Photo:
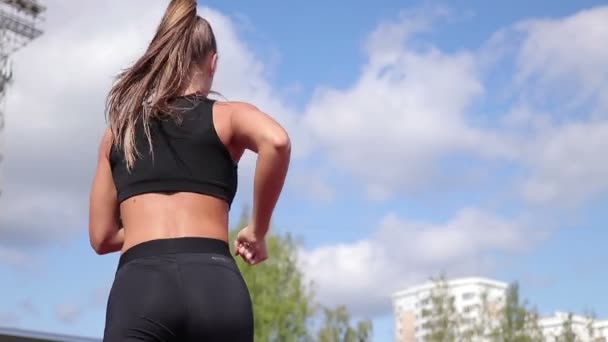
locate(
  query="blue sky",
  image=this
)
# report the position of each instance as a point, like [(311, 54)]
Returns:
[(428, 136)]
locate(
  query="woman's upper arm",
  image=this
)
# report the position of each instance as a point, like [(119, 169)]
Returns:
[(103, 206), (253, 129)]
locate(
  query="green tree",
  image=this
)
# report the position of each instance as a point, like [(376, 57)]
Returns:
[(442, 318), (591, 328), (282, 300), (336, 327), (482, 328), (517, 323), (533, 331), (591, 325), (567, 334)]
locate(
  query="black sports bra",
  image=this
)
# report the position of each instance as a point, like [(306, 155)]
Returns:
[(188, 156)]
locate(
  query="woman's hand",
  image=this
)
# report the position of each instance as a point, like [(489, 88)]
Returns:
[(250, 247)]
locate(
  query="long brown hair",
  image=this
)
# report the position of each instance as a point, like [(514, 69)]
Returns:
[(142, 92)]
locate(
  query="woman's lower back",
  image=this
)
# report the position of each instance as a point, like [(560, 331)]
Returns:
[(166, 216)]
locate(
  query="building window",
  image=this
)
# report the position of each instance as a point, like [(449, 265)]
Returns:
[(468, 295)]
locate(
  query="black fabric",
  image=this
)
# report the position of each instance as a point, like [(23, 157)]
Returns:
[(188, 156), (187, 289)]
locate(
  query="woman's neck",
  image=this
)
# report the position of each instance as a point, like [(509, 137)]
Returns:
[(198, 84)]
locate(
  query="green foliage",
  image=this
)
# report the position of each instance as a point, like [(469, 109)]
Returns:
[(283, 302), (568, 334), (513, 322), (337, 327), (509, 321), (591, 325), (482, 328), (517, 323), (443, 319), (591, 330)]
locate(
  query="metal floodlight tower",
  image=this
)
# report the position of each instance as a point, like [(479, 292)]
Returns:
[(18, 19)]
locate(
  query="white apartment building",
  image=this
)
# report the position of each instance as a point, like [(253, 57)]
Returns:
[(601, 329), (467, 292), (553, 326), (410, 324)]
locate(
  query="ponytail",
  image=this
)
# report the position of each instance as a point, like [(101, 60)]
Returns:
[(143, 91)]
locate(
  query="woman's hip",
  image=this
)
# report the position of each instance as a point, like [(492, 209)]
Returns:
[(186, 285)]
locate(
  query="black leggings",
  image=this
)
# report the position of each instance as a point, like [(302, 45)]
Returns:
[(186, 289)]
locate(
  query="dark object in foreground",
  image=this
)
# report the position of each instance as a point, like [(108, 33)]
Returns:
[(19, 335)]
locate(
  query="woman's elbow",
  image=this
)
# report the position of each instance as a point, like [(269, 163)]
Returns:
[(99, 247), (282, 142), (279, 141), (99, 243)]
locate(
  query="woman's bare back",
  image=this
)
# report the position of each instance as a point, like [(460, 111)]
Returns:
[(182, 214)]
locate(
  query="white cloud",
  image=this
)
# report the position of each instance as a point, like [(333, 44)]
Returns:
[(566, 167), (407, 110), (33, 212), (561, 69), (411, 106), (55, 108), (364, 274), (567, 54)]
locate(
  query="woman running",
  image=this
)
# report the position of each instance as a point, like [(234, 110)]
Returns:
[(165, 181)]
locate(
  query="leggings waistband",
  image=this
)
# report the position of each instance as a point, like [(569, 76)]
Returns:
[(175, 246)]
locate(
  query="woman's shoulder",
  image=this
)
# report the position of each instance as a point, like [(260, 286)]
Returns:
[(235, 109), (106, 143), (235, 106)]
